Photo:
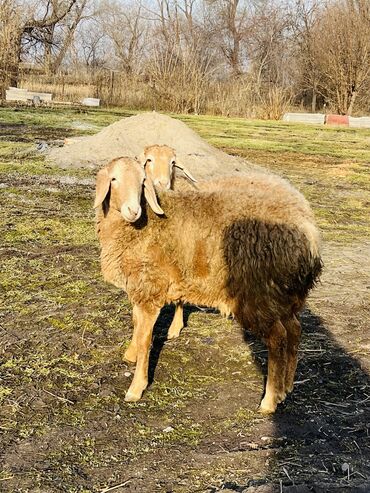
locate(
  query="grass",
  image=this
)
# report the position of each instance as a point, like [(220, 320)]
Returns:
[(64, 118), (61, 369), (330, 165), (282, 137)]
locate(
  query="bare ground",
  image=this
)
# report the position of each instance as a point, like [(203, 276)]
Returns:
[(64, 426)]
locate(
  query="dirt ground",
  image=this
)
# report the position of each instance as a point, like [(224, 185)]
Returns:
[(64, 426), (135, 133)]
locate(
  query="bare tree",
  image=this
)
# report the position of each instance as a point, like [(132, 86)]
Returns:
[(10, 23), (269, 41), (229, 20), (180, 78), (189, 24), (62, 41), (341, 48), (244, 57), (26, 21), (167, 12), (91, 47), (305, 18), (123, 24), (269, 44)]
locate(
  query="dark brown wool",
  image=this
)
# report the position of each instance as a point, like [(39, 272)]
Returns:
[(270, 270)]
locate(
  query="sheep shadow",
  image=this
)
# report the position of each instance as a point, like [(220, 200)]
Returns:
[(320, 439), (321, 432), (161, 330)]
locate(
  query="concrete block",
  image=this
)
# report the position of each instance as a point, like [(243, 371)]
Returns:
[(11, 95), (311, 118), (360, 122), (339, 120), (44, 96), (16, 94), (91, 102)]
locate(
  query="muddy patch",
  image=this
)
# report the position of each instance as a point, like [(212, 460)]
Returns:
[(18, 132)]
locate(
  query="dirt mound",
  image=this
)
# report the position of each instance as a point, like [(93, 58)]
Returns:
[(129, 136)]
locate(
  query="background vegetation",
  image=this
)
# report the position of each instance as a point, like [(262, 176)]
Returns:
[(250, 58)]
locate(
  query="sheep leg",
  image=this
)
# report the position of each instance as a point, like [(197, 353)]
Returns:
[(277, 356), (145, 320), (131, 352), (177, 322), (294, 330)]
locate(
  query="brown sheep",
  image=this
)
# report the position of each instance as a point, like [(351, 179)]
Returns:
[(254, 255), (159, 162)]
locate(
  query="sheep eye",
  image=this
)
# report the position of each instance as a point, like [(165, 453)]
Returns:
[(173, 163), (148, 160), (113, 179)]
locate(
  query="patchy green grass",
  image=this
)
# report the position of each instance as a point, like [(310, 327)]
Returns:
[(282, 137), (61, 118), (63, 423), (330, 165), (235, 133)]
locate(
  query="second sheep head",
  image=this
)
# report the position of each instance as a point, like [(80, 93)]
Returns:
[(159, 162)]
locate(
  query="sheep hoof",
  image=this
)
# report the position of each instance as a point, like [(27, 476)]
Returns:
[(132, 396), (266, 410), (267, 406), (129, 357), (131, 360)]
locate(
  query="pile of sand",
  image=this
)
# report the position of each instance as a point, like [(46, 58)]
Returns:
[(129, 136)]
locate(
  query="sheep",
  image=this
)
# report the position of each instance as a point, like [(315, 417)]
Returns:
[(253, 255), (159, 162)]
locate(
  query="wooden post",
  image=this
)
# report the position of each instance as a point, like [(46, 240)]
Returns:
[(111, 86)]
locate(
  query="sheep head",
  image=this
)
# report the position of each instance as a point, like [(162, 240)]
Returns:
[(119, 185), (159, 161)]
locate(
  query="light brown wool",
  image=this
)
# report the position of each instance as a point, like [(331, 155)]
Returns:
[(160, 161), (246, 246), (161, 165)]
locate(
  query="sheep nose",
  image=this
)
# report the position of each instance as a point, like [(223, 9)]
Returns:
[(131, 213), (164, 184)]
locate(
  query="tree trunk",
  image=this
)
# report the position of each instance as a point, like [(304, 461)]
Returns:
[(352, 102), (314, 97), (58, 60), (48, 44), (14, 65)]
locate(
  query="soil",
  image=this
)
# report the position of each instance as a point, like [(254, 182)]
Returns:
[(129, 136), (64, 426), (18, 132)]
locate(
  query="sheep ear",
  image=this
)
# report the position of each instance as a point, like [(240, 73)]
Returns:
[(102, 186), (142, 159), (186, 172), (151, 196)]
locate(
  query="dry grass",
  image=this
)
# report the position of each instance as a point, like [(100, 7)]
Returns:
[(169, 86), (61, 90)]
